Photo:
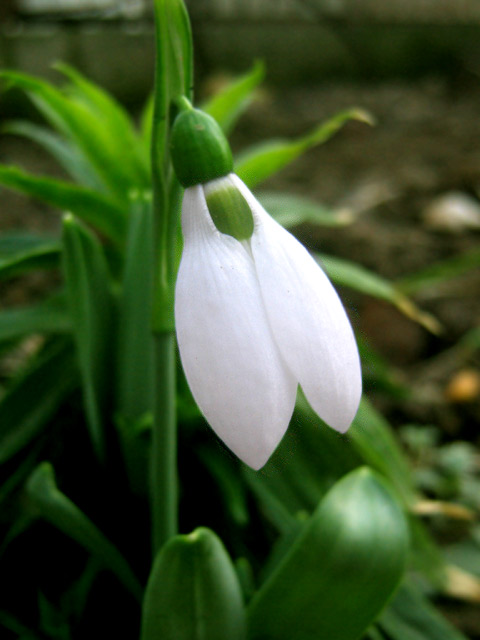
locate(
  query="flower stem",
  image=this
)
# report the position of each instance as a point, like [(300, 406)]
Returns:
[(164, 442), (173, 78)]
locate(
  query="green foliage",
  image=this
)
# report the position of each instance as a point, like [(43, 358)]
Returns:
[(193, 592), (45, 500), (227, 105), (342, 568), (91, 310), (265, 159), (335, 535), (411, 617), (34, 397), (290, 211), (42, 255), (49, 316), (92, 207)]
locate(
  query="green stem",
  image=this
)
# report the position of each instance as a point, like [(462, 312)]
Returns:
[(164, 442), (173, 78)]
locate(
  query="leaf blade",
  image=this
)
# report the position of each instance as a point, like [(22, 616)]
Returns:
[(227, 105), (49, 316), (78, 124), (347, 273), (90, 305), (265, 159), (90, 206), (361, 535), (54, 506), (193, 592), (45, 383)]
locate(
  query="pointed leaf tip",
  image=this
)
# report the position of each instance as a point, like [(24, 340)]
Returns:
[(193, 592)]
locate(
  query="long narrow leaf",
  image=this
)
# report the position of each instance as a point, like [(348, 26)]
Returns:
[(373, 438), (78, 124), (173, 78), (90, 305), (48, 317), (135, 344), (45, 256), (121, 133), (50, 503), (290, 211), (19, 241), (228, 105), (264, 160), (350, 274), (135, 341), (146, 123), (91, 207), (411, 617), (45, 384), (436, 274), (64, 152), (341, 570)]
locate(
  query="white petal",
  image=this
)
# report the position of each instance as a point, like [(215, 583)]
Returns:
[(231, 362), (308, 320)]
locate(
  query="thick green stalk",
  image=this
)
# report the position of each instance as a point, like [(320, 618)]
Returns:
[(173, 78)]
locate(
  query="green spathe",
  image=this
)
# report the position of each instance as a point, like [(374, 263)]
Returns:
[(228, 209), (193, 592), (200, 152)]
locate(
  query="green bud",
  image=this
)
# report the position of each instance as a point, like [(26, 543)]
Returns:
[(228, 209), (200, 152)]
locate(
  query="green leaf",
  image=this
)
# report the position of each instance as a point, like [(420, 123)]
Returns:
[(89, 133), (125, 143), (229, 484), (350, 274), (34, 397), (13, 242), (341, 570), (411, 617), (135, 340), (290, 211), (193, 592), (49, 316), (146, 123), (11, 485), (436, 274), (135, 345), (90, 304), (374, 634), (173, 79), (173, 74), (44, 256), (289, 484), (265, 159), (48, 502), (64, 152), (7, 621), (379, 374), (228, 105), (90, 206), (374, 440)]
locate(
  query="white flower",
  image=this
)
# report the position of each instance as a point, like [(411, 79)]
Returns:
[(254, 319)]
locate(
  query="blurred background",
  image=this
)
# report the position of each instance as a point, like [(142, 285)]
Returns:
[(409, 186)]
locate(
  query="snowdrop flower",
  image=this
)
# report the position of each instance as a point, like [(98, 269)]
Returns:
[(255, 314)]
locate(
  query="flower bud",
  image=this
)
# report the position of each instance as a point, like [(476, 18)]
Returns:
[(200, 152)]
